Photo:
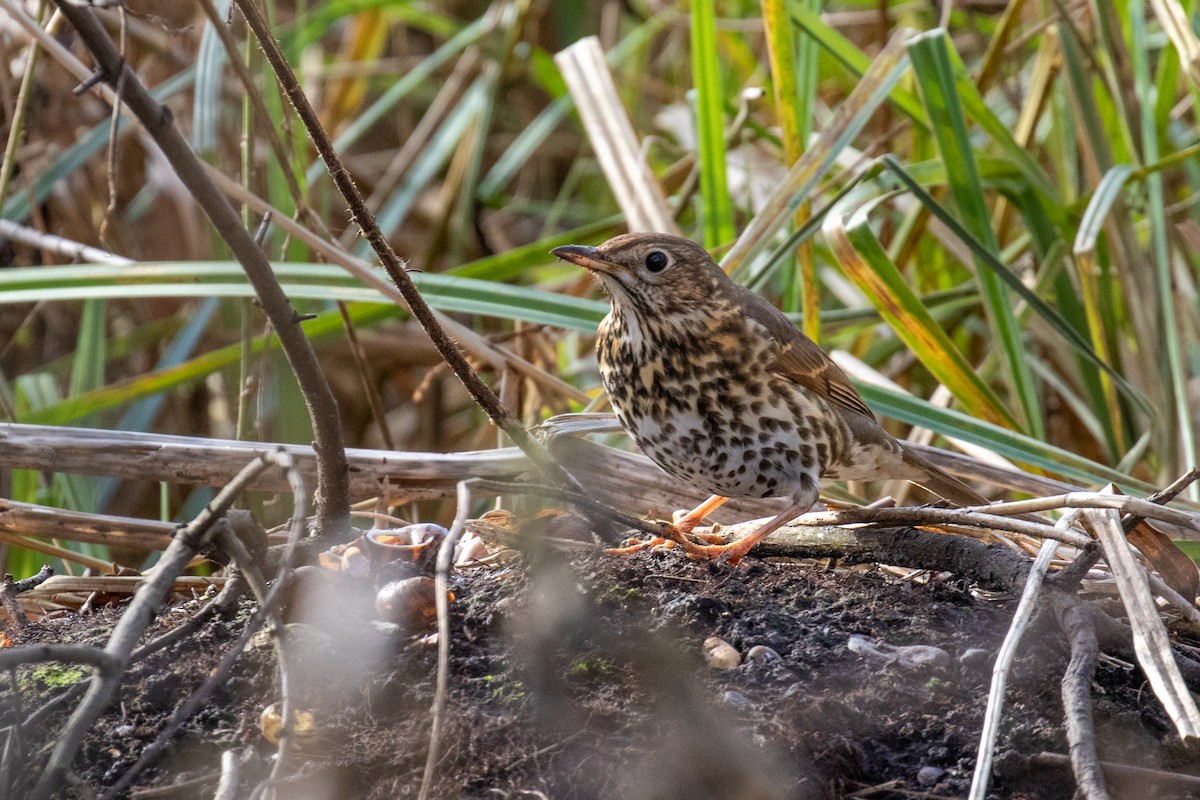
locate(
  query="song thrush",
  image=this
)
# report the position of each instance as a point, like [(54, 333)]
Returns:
[(722, 391)]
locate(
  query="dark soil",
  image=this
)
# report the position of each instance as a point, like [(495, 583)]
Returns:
[(587, 679)]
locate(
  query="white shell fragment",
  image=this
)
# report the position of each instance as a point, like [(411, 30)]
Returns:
[(913, 656), (720, 654)]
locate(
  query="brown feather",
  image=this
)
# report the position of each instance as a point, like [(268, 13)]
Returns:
[(942, 483), (800, 359)]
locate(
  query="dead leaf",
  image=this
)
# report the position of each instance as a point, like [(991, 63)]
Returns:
[(1174, 565)]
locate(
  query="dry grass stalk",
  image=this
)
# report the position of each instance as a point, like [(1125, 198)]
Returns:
[(1150, 640), (611, 133)]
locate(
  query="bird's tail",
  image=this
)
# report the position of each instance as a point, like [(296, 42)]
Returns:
[(941, 483)]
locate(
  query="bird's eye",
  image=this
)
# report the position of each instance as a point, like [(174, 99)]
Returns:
[(656, 261)]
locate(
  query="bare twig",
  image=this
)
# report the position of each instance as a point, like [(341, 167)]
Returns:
[(266, 612), (214, 462), (441, 591), (361, 214), (1008, 650), (1146, 509), (10, 589), (332, 485), (942, 516), (78, 526), (228, 784), (133, 623), (265, 126), (1074, 572), (106, 664), (1150, 638), (68, 249), (1076, 622)]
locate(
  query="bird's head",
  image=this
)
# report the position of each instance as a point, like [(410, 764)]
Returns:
[(650, 273)]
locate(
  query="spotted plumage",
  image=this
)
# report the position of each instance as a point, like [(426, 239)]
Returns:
[(722, 391)]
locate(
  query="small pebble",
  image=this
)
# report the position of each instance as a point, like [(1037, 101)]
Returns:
[(760, 652), (720, 654), (736, 699), (975, 658), (928, 776)]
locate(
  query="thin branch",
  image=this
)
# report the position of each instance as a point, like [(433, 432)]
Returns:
[(267, 612), (1146, 509), (441, 596), (332, 483), (1008, 650), (230, 773), (361, 214), (1076, 622), (1150, 638), (67, 248), (1076, 571), (10, 589), (132, 625), (262, 117), (107, 666), (943, 516)]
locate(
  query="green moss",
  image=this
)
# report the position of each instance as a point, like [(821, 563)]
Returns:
[(623, 592), (589, 667), (53, 676), (505, 692)]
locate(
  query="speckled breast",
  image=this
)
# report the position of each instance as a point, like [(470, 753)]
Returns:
[(707, 408)]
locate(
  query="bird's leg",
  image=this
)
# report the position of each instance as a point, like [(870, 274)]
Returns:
[(802, 501), (690, 520), (681, 528)]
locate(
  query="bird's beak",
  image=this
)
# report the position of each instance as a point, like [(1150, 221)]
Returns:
[(582, 256)]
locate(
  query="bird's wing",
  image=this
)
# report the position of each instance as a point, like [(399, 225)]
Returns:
[(802, 361)]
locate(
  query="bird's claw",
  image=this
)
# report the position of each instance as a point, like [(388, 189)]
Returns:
[(631, 546)]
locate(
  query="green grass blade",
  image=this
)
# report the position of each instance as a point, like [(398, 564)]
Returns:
[(876, 84), (519, 260), (864, 260), (141, 414), (1008, 443), (412, 79), (1106, 195), (716, 209), (533, 136), (206, 104), (1175, 371), (853, 59), (935, 75), (996, 267), (445, 292), (73, 409), (977, 110), (430, 162)]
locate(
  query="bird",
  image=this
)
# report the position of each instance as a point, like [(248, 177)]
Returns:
[(721, 390)]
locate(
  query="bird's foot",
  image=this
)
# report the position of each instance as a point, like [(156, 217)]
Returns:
[(631, 546), (710, 547), (676, 537)]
